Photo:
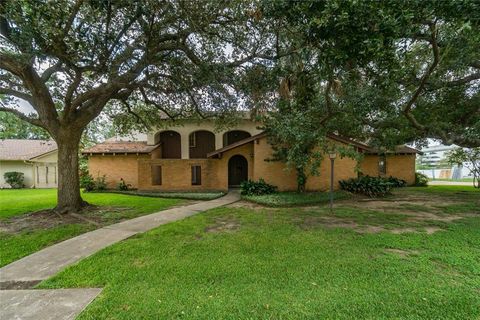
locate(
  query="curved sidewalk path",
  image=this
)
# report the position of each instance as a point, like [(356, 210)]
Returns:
[(19, 304)]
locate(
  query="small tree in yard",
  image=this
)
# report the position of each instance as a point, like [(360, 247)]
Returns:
[(71, 59), (469, 158)]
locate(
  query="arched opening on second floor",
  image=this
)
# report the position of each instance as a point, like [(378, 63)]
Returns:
[(200, 143), (234, 136), (170, 144)]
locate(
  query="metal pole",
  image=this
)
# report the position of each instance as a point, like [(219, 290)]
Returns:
[(331, 184)]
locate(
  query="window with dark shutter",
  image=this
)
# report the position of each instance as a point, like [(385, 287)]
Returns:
[(196, 175), (156, 175)]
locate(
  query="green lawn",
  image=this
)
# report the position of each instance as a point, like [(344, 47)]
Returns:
[(297, 263), (16, 203)]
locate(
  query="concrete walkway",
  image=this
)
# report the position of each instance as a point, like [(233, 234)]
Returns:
[(45, 304), (449, 183), (49, 261)]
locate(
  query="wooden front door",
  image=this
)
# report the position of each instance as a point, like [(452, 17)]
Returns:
[(237, 170)]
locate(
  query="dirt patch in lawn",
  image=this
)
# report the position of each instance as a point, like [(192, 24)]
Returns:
[(47, 219), (331, 222), (310, 222), (224, 224), (247, 205), (402, 253)]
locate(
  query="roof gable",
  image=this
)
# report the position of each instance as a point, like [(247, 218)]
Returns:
[(111, 147), (22, 149), (364, 147)]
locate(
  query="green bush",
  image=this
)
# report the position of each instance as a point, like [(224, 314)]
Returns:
[(87, 182), (14, 179), (257, 188), (100, 183), (123, 186), (421, 180), (369, 186), (396, 183)]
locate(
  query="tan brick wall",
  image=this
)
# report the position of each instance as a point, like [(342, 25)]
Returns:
[(402, 167), (176, 173), (344, 168), (276, 172), (399, 166), (116, 167), (273, 172), (369, 165)]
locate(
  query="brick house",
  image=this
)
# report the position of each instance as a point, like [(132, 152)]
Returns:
[(191, 156)]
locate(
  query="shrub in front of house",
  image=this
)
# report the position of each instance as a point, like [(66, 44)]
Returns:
[(369, 186), (87, 182), (421, 180), (396, 183), (123, 186), (257, 188), (101, 183), (14, 179)]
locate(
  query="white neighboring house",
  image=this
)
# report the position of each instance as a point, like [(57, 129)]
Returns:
[(37, 159)]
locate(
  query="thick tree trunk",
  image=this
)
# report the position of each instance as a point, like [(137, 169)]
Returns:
[(68, 196), (301, 180)]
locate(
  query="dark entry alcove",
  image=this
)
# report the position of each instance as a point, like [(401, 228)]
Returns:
[(237, 170)]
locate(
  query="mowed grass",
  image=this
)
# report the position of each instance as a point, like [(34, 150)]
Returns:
[(15, 203), (241, 263)]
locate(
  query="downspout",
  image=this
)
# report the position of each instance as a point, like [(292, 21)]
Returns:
[(33, 171)]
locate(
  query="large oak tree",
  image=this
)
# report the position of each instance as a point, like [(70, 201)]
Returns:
[(386, 72), (70, 59)]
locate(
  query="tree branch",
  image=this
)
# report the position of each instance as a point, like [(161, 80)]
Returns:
[(156, 105), (50, 71), (130, 111), (17, 94), (436, 60), (18, 114), (458, 82)]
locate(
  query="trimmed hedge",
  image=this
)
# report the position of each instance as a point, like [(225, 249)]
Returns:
[(257, 188), (369, 186), (396, 183), (421, 180), (14, 179)]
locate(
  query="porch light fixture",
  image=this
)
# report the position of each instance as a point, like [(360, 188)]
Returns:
[(332, 155)]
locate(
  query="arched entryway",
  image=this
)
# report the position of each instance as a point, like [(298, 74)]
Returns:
[(171, 144), (237, 170)]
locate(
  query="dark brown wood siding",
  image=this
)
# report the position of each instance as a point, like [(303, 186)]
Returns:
[(171, 145), (201, 143)]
